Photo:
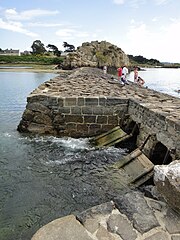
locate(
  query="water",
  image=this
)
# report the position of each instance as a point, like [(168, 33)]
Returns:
[(43, 178), (165, 80)]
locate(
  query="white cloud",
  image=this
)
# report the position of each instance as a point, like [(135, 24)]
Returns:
[(118, 1), (16, 27), (160, 43), (71, 33), (161, 2), (39, 24), (12, 14)]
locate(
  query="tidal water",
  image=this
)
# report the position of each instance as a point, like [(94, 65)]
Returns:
[(165, 80), (43, 178)]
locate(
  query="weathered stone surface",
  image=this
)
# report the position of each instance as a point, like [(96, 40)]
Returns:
[(103, 234), (66, 228), (158, 236), (117, 223), (134, 205), (167, 181), (172, 222), (175, 237), (103, 209), (96, 54)]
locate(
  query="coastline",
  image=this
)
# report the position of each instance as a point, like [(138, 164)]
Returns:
[(28, 68)]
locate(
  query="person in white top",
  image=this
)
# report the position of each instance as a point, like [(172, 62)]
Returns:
[(124, 73)]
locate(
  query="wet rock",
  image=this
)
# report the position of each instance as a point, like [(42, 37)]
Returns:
[(167, 181)]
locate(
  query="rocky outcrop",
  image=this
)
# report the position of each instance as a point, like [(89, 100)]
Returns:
[(96, 54), (167, 180)]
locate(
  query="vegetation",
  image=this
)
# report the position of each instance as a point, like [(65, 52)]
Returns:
[(31, 59), (142, 60)]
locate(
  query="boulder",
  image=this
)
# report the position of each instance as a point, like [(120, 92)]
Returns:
[(96, 54), (167, 181)]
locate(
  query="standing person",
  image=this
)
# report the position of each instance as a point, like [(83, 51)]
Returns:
[(119, 70), (124, 74), (135, 74), (105, 69)]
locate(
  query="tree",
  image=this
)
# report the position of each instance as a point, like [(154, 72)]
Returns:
[(38, 47), (69, 47), (54, 49)]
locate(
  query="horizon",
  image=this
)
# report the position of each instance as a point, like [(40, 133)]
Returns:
[(139, 27)]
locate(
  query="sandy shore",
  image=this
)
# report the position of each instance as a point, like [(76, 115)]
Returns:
[(29, 68)]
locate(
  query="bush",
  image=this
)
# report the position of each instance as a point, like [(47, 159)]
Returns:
[(31, 59)]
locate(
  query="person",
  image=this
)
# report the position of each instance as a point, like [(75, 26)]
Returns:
[(135, 74), (105, 69), (119, 72), (140, 81), (124, 75)]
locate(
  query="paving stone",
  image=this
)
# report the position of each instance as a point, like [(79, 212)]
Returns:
[(172, 221), (117, 223), (134, 205), (65, 228), (175, 237), (158, 236), (103, 234)]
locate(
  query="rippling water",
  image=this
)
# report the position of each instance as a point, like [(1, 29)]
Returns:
[(43, 178)]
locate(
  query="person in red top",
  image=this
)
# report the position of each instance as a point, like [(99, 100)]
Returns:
[(119, 72)]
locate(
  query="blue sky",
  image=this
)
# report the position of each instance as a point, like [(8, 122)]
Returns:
[(150, 28)]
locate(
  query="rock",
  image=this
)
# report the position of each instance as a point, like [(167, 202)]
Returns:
[(135, 207), (96, 54), (64, 228), (167, 181)]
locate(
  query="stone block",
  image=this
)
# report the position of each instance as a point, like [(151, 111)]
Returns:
[(70, 102), (135, 207), (91, 101), (102, 119), (167, 181), (82, 128), (158, 236), (108, 111), (119, 224), (99, 110), (87, 110), (76, 110), (64, 110), (175, 237), (60, 102), (65, 228), (103, 234), (113, 120), (111, 101), (102, 101), (89, 119), (172, 221), (73, 119), (80, 101)]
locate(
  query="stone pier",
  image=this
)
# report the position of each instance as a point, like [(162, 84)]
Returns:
[(85, 102)]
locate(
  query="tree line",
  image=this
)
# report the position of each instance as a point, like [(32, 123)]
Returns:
[(38, 48), (142, 60)]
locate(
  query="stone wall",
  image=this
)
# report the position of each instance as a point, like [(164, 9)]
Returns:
[(72, 116), (162, 128)]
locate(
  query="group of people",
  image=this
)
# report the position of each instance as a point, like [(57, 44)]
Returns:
[(122, 74)]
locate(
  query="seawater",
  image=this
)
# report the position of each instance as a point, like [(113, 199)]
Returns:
[(44, 178)]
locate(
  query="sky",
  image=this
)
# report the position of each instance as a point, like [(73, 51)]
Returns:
[(150, 28)]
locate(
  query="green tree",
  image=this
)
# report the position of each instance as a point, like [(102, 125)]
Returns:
[(38, 48), (54, 49), (68, 47)]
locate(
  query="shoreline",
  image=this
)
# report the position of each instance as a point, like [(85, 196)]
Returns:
[(28, 68)]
